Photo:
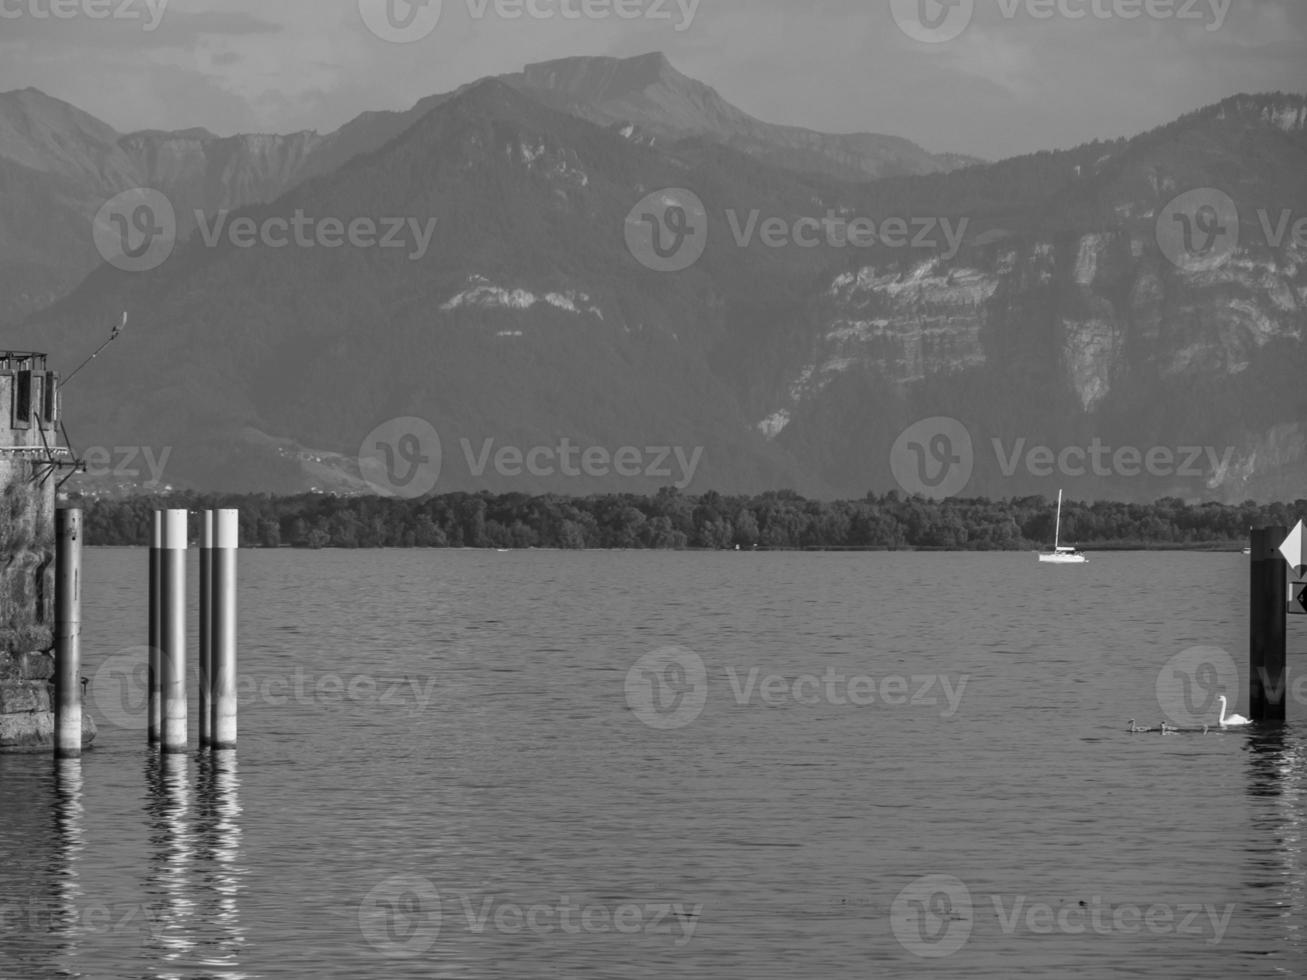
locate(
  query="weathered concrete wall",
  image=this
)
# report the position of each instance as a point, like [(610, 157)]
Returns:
[(28, 414)]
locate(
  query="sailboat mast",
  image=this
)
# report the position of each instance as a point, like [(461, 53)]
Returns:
[(1057, 532)]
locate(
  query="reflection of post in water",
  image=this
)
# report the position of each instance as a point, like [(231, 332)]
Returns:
[(217, 860), (1277, 761), (70, 841), (171, 854)]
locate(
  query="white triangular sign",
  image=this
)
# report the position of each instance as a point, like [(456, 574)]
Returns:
[(1292, 549)]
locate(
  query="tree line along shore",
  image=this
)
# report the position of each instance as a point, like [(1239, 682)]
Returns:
[(671, 520)]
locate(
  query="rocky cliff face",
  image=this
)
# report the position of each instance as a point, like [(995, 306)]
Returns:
[(200, 170), (1106, 318), (931, 319)]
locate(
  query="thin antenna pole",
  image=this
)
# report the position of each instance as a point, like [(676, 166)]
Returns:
[(118, 329)]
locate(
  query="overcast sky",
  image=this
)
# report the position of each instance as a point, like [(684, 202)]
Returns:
[(1010, 82)]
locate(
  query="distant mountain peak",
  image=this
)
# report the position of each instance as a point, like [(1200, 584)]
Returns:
[(35, 102), (491, 97), (596, 79), (30, 92), (648, 92), (51, 136)]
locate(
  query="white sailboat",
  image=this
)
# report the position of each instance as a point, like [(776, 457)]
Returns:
[(1061, 555)]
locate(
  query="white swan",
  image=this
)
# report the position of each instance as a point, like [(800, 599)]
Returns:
[(1168, 729), (1226, 722), (1135, 728)]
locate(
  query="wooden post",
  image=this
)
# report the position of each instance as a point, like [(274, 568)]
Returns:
[(68, 648), (1267, 626), (206, 628), (172, 574), (154, 694), (226, 539)]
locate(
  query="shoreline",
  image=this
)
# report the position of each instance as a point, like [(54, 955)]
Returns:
[(1224, 548)]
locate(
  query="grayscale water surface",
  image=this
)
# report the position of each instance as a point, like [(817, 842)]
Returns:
[(440, 774)]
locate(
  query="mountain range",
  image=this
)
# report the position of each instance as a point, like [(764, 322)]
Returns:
[(1037, 301), (58, 164)]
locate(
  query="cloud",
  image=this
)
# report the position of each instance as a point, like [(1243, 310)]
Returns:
[(137, 26), (998, 57)]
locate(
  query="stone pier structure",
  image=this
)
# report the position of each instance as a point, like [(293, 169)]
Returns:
[(33, 459)]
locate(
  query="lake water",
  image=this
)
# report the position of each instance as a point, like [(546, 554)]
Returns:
[(448, 767)]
